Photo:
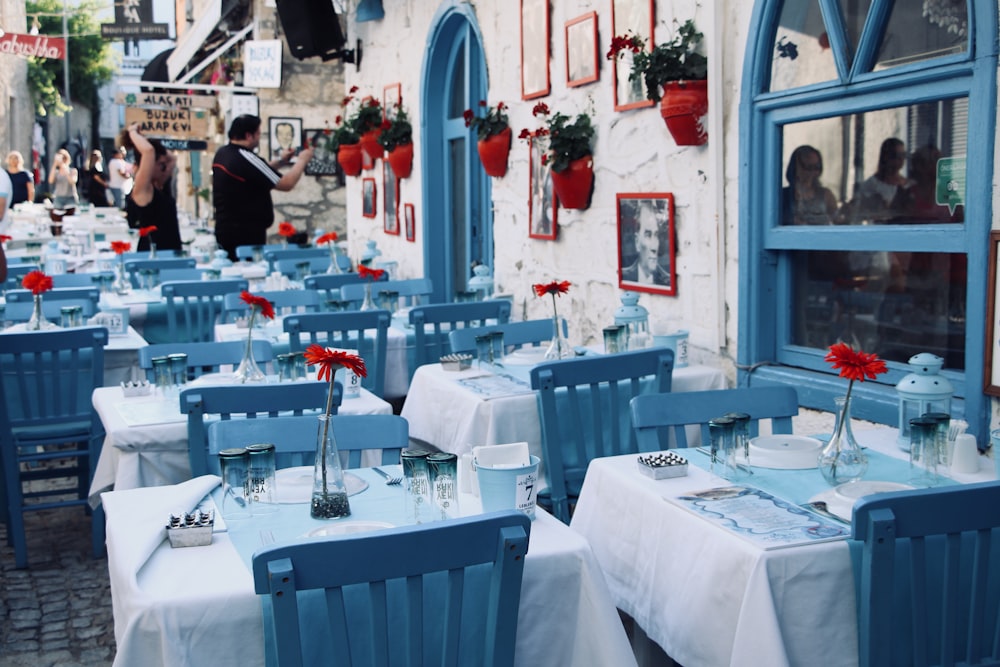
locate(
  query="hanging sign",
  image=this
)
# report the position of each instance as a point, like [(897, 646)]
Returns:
[(170, 123), (134, 20), (37, 46), (164, 101), (262, 63)]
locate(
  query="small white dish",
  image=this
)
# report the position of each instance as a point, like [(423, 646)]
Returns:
[(526, 356), (348, 528), (294, 485), (784, 451), (851, 491)]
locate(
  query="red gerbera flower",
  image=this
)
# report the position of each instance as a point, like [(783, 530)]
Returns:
[(329, 237), (265, 307), (555, 287), (286, 228), (855, 365), (327, 358), (4, 238), (37, 282), (146, 231), (120, 246), (374, 274)]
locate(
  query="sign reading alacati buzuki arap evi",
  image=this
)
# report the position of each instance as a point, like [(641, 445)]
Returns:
[(38, 46)]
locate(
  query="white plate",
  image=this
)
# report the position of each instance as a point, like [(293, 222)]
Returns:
[(294, 485), (332, 529), (784, 451), (526, 356), (851, 491)]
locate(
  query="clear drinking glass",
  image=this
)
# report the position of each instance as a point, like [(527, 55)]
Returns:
[(722, 431), (261, 479), (498, 351), (66, 317), (161, 376), (943, 421), (235, 497), (484, 350), (286, 370), (416, 478), (741, 434), (443, 468), (923, 451), (178, 369), (611, 340)]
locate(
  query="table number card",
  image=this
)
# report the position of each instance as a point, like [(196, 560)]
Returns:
[(115, 319)]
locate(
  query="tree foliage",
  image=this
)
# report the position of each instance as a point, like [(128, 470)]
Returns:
[(91, 63)]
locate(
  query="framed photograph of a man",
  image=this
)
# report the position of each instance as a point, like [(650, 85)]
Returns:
[(636, 17), (368, 197), (283, 134), (534, 49), (543, 205), (581, 50), (390, 205), (410, 222), (646, 250), (324, 160)]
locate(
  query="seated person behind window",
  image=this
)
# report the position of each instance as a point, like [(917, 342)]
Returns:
[(805, 201), (875, 195), (646, 268), (918, 201)]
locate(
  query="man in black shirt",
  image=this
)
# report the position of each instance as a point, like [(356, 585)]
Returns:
[(241, 186)]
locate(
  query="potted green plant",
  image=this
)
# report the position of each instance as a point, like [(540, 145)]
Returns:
[(367, 122), (397, 140), (345, 140), (569, 153), (493, 131), (681, 73)]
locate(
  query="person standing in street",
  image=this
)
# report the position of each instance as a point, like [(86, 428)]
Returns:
[(242, 182), (21, 180), (119, 171), (150, 203)]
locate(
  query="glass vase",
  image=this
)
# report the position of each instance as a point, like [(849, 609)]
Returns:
[(368, 303), (334, 264), (842, 459), (122, 285), (38, 321), (248, 370), (152, 250), (559, 347), (329, 496)]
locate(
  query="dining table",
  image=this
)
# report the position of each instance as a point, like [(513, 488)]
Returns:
[(708, 595), (196, 605), (146, 440)]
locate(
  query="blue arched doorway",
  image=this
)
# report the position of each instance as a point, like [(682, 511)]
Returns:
[(458, 218)]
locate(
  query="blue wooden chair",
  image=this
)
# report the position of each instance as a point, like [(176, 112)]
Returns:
[(583, 408), (300, 267), (433, 322), (204, 357), (15, 272), (255, 401), (175, 275), (515, 335), (284, 301), (273, 255), (330, 284), (20, 302), (246, 253), (294, 438), (80, 279), (46, 382), (656, 416), (445, 593), (345, 330), (411, 291), (928, 587), (194, 307)]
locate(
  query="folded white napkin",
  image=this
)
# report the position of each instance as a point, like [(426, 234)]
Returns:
[(513, 455)]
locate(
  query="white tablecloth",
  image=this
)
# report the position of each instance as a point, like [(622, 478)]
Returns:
[(448, 416), (707, 596), (196, 606), (156, 454)]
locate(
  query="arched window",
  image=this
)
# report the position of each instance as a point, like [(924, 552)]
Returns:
[(865, 196)]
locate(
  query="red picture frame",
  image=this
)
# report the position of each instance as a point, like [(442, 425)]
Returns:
[(647, 251), (390, 200), (535, 32), (392, 95), (635, 16), (410, 222), (543, 204), (368, 194), (582, 64)]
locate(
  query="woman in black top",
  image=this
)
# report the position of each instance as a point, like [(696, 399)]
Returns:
[(98, 193), (150, 203), (21, 180)]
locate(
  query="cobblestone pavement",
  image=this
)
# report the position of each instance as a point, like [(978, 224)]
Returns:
[(58, 611)]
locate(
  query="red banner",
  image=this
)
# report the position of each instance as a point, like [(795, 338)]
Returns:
[(39, 46)]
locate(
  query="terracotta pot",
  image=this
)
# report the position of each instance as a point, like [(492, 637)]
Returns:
[(573, 184), (493, 151), (349, 157), (370, 144), (684, 107), (401, 160)]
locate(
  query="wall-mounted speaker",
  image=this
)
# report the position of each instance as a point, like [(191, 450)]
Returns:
[(311, 28)]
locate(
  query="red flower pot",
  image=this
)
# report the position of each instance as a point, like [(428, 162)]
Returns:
[(349, 157), (573, 184), (370, 144), (401, 160), (684, 107), (493, 151)]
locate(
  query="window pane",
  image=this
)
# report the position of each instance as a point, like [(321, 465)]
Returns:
[(903, 165), (458, 207), (922, 29), (894, 304), (456, 105), (801, 54)]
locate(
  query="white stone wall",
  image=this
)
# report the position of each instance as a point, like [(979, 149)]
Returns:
[(16, 111)]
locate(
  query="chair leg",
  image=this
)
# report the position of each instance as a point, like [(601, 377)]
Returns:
[(97, 531)]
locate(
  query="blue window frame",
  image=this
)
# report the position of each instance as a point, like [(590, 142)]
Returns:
[(855, 85)]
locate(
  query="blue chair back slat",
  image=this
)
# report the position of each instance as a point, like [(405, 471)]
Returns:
[(284, 302), (583, 405), (410, 290), (330, 284), (134, 265), (483, 553), (655, 417), (515, 335), (204, 357), (351, 330), (20, 302), (194, 307), (927, 585), (441, 318), (246, 252), (254, 401), (273, 255), (291, 267), (294, 438), (80, 279), (46, 382)]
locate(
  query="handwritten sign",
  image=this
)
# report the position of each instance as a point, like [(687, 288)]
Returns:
[(38, 46), (262, 63), (162, 101), (170, 123)]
